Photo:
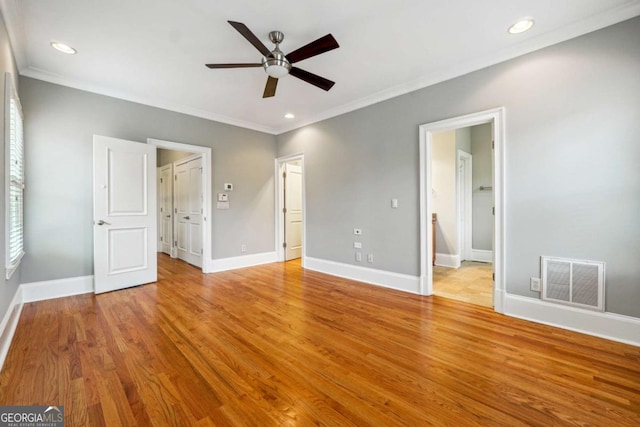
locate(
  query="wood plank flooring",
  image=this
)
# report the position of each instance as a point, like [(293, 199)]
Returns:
[(276, 345)]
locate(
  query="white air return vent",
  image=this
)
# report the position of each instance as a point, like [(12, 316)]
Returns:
[(573, 282)]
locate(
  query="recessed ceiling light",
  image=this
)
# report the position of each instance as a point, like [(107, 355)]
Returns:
[(289, 116), (63, 48), (521, 26)]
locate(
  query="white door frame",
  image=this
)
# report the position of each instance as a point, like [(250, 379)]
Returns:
[(279, 216), (206, 192), (496, 117), (464, 204)]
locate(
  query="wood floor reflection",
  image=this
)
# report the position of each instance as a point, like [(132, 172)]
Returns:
[(277, 345)]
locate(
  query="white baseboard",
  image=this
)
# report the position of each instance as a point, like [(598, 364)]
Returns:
[(481, 255), (447, 260), (49, 289), (387, 279), (223, 264), (9, 325), (611, 326)]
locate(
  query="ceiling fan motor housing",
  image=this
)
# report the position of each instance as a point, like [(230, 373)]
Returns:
[(276, 65)]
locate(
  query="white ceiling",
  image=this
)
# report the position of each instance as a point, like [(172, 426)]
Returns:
[(154, 51)]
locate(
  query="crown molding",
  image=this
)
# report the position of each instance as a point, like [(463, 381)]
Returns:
[(15, 27), (577, 29)]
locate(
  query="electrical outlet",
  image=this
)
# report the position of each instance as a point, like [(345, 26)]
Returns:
[(243, 248), (534, 284), (370, 258), (358, 257), (357, 245)]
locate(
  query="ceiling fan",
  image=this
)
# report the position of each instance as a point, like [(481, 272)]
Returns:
[(277, 64)]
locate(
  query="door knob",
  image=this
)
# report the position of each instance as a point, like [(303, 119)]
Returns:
[(101, 222), (186, 217), (168, 216)]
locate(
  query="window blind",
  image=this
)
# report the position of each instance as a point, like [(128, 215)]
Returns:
[(15, 181)]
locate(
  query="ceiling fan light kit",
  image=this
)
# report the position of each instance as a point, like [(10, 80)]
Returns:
[(276, 64)]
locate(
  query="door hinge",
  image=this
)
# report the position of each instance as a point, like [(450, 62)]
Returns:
[(161, 238), (284, 210), (175, 244), (493, 210), (284, 174), (160, 180), (175, 177), (175, 210), (284, 245), (493, 144), (493, 276), (160, 209)]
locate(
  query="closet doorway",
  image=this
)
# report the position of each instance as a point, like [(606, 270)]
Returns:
[(184, 190)]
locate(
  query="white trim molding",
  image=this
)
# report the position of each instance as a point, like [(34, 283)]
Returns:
[(207, 166), (496, 117), (280, 162), (481, 255), (387, 279), (231, 263), (50, 289), (611, 326), (9, 325), (448, 260)]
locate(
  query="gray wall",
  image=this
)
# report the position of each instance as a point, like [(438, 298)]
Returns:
[(60, 123), (482, 175), (572, 175), (7, 65)]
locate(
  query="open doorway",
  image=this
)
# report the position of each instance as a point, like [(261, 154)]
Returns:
[(453, 249), (184, 202), (462, 173), (290, 208)]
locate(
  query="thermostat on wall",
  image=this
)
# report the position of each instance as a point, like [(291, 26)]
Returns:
[(228, 186)]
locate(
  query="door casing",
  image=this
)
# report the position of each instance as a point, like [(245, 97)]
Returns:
[(279, 217), (496, 117), (207, 218)]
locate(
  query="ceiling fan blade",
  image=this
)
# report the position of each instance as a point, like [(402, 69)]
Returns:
[(233, 65), (270, 88), (322, 45), (314, 79), (247, 34)]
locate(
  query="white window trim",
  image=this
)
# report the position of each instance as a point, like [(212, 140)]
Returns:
[(11, 265)]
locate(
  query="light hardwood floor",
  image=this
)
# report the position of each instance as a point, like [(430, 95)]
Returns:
[(276, 345), (471, 283)]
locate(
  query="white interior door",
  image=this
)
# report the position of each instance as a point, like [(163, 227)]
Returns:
[(125, 221), (165, 205), (293, 211), (188, 210)]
